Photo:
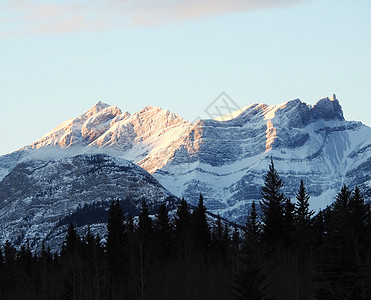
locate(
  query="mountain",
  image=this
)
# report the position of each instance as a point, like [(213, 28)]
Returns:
[(313, 143), (225, 159), (39, 197)]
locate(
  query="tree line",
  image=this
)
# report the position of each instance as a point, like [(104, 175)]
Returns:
[(283, 251)]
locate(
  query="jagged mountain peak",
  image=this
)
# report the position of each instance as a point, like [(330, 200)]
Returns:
[(96, 108), (328, 108), (296, 112), (220, 157), (82, 130)]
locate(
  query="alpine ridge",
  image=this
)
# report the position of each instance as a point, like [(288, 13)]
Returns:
[(224, 158)]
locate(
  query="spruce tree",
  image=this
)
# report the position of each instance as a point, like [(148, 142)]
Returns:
[(226, 237), (359, 214), (338, 271), (201, 230), (236, 239), (217, 233), (289, 220), (302, 211), (249, 282), (24, 258), (183, 220), (163, 233), (9, 269), (272, 207), (220, 238), (116, 240), (145, 242), (249, 279), (9, 254), (72, 242), (302, 248), (252, 231), (360, 234), (1, 258), (145, 228)]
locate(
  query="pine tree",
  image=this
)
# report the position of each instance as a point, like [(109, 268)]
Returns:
[(220, 238), (24, 258), (359, 214), (360, 221), (116, 240), (236, 239), (201, 230), (183, 220), (163, 233), (9, 253), (302, 235), (302, 211), (9, 266), (302, 248), (289, 217), (252, 231), (249, 280), (217, 233), (145, 222), (145, 242), (272, 207), (226, 237), (72, 241), (1, 258), (338, 271)]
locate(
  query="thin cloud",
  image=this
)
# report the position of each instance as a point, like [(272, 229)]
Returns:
[(50, 17)]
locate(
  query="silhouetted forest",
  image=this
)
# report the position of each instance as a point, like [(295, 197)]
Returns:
[(283, 251)]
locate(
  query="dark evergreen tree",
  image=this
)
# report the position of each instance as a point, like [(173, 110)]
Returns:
[(72, 241), (201, 229), (272, 207), (236, 239), (339, 272), (289, 217), (116, 240), (226, 237), (252, 230), (183, 220), (249, 280), (302, 246), (163, 233), (9, 269), (359, 217), (145, 244), (360, 235), (145, 227), (302, 211), (217, 231), (1, 258), (220, 238), (24, 258)]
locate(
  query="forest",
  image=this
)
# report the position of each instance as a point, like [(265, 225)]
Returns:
[(282, 251)]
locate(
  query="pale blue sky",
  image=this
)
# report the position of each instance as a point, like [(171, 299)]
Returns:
[(57, 59)]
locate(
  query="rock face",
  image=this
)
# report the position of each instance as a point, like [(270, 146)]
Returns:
[(224, 159), (314, 143), (37, 196)]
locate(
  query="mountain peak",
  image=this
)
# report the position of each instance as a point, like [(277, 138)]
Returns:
[(96, 108), (328, 108)]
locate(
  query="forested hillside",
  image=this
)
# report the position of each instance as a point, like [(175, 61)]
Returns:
[(283, 251)]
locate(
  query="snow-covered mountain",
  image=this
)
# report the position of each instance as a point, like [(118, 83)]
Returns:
[(313, 143), (224, 159), (39, 196)]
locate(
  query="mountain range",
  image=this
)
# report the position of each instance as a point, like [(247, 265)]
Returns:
[(154, 154)]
